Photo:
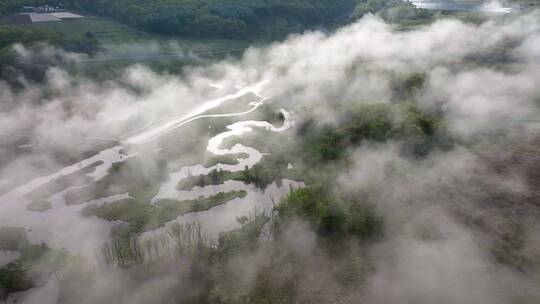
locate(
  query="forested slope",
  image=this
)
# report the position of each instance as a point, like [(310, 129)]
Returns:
[(221, 18), (239, 19)]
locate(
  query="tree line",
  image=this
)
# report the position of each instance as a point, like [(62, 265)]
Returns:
[(239, 19), (220, 18)]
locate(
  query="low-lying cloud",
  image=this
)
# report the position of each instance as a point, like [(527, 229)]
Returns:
[(432, 252)]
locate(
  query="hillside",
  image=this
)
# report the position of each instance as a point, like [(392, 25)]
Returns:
[(229, 18)]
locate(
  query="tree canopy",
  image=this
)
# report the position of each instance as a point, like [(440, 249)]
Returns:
[(220, 18)]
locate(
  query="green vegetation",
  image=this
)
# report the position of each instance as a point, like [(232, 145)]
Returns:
[(93, 34), (108, 31), (11, 67), (318, 151), (215, 177), (213, 18), (125, 250), (35, 262), (314, 246), (270, 169), (171, 209), (238, 19), (187, 240), (13, 278), (215, 271), (207, 160), (122, 177), (331, 215), (31, 35), (289, 273), (420, 132), (140, 215), (211, 28)]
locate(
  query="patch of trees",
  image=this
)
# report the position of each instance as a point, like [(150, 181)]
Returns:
[(220, 18), (417, 131), (241, 19), (271, 169), (330, 214), (12, 67)]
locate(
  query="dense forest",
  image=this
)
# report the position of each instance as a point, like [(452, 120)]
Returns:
[(210, 18), (231, 18)]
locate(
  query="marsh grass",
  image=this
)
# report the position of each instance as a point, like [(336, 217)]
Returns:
[(141, 215), (182, 240)]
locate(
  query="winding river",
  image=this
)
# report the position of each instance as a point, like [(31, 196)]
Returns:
[(62, 226)]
